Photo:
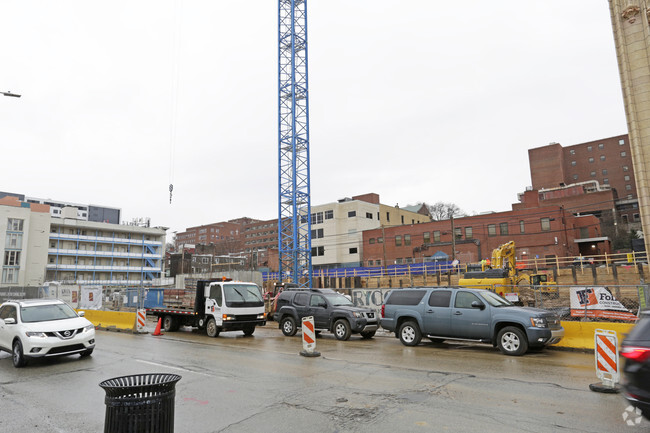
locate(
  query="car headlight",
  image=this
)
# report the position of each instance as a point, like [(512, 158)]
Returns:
[(36, 334), (88, 328), (538, 322), (356, 314)]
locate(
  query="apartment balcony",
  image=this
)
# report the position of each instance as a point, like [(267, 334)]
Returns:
[(91, 268), (107, 254), (102, 239)]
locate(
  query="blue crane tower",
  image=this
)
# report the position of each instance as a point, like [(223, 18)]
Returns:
[(294, 219)]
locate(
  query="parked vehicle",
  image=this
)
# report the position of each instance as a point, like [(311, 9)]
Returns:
[(43, 328), (457, 313), (635, 348), (217, 305), (332, 311)]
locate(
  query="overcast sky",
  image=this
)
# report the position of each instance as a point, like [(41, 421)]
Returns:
[(417, 101)]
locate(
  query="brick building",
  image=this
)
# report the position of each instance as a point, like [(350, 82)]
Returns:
[(547, 232)]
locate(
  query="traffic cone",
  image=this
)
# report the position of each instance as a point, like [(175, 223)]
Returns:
[(157, 331)]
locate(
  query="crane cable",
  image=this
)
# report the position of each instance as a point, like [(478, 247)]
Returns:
[(174, 97)]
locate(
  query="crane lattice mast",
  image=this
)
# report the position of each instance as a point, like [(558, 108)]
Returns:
[(294, 221)]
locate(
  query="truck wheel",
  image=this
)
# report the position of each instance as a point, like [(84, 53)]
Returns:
[(409, 334), (169, 323), (368, 334), (248, 330), (212, 329), (512, 341), (288, 326), (342, 330)]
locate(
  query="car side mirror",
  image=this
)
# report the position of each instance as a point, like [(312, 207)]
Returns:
[(10, 321), (479, 305)]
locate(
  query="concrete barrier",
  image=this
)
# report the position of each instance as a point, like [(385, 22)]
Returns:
[(580, 335), (114, 320)]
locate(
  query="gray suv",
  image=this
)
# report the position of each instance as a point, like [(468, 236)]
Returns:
[(331, 311), (456, 313)]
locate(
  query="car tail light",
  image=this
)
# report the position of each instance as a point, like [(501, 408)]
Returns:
[(383, 309), (638, 354)]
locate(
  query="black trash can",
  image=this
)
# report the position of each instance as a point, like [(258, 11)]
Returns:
[(140, 403)]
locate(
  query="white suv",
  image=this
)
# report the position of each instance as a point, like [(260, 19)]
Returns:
[(43, 328)]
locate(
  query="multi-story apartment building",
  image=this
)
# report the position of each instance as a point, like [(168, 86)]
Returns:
[(226, 235), (86, 212), (37, 247), (337, 228), (24, 229), (90, 252)]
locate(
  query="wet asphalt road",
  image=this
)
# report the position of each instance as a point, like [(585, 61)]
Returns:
[(251, 384)]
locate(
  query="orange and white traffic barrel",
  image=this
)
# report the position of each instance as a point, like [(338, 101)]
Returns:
[(308, 337)]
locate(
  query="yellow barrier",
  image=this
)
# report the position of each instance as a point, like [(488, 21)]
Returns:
[(117, 320), (580, 335)]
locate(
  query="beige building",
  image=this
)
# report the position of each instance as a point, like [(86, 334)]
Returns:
[(631, 26), (24, 231), (337, 228)]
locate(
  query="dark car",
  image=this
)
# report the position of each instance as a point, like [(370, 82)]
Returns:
[(635, 348), (332, 311)]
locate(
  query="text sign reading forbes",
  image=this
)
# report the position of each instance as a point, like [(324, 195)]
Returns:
[(597, 302)]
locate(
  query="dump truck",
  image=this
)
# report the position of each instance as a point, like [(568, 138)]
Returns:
[(213, 306)]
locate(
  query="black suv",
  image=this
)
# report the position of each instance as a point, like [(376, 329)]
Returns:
[(331, 311)]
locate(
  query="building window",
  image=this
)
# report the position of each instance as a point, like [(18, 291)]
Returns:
[(353, 250), (317, 251), (12, 258), (398, 240), (624, 219), (329, 214), (628, 187), (593, 174), (378, 262), (629, 196), (522, 227), (575, 177), (602, 157), (626, 168), (398, 261), (573, 163), (572, 152), (601, 146), (426, 237), (621, 142), (458, 232), (10, 275), (317, 234), (14, 241), (492, 229), (369, 215), (316, 218), (388, 216), (604, 172), (503, 229), (469, 234), (546, 224), (402, 219), (436, 236), (590, 148), (380, 240), (636, 217), (623, 154), (626, 177), (591, 159), (371, 241), (407, 239), (14, 225), (409, 260), (352, 214), (606, 181)]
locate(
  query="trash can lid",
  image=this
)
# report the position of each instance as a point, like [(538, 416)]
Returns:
[(137, 384)]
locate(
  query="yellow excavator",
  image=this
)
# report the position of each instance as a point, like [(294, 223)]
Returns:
[(503, 277)]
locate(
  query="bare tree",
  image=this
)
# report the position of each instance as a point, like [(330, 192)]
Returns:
[(444, 211)]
